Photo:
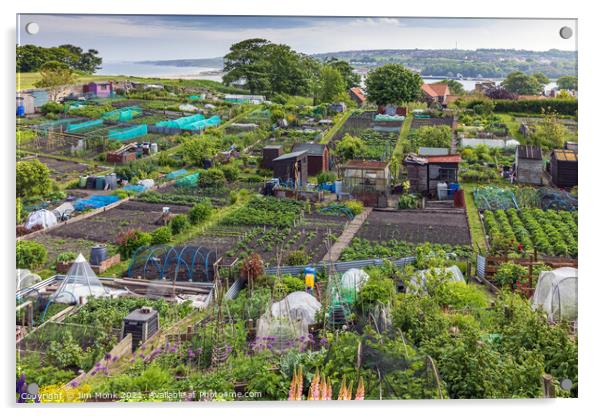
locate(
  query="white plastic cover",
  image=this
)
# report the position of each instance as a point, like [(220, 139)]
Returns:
[(298, 306), (512, 143), (556, 293), (64, 210), (79, 282), (147, 183), (187, 107), (41, 217), (354, 278), (25, 279), (419, 280)]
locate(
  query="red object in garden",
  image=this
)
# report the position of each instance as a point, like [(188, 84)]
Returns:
[(459, 199)]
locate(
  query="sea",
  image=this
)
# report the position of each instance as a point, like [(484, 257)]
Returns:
[(215, 74)]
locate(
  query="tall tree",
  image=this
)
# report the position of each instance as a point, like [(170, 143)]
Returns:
[(332, 84), (541, 78), (246, 60), (568, 82), (521, 83), (55, 76), (351, 78), (392, 84)]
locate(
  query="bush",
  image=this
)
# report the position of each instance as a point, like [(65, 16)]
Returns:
[(326, 176), (293, 284), (407, 201), (377, 290), (200, 212), (231, 172), (355, 206), (30, 255), (130, 241), (212, 178), (66, 257), (565, 107), (297, 258), (161, 235), (52, 107), (508, 274), (179, 224)]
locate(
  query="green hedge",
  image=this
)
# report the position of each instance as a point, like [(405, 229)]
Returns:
[(565, 107)]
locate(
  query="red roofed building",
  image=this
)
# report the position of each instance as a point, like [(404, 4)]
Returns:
[(436, 93), (425, 172), (357, 95)]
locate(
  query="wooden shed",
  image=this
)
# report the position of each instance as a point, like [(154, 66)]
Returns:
[(528, 165), (291, 168), (564, 168), (425, 172), (317, 157), (269, 153)]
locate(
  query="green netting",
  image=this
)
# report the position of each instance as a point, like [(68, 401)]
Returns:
[(50, 124), (200, 125), (123, 114), (181, 122), (84, 125), (128, 132), (190, 181), (492, 197)]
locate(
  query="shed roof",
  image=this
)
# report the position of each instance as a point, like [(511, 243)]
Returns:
[(444, 159), (313, 149), (439, 89), (358, 93), (529, 152), (565, 155), (273, 146), (365, 164), (292, 155)]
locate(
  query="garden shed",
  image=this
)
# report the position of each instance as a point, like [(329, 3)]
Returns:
[(99, 89), (564, 168), (291, 168), (270, 153), (426, 172), (317, 156), (528, 164), (367, 180)]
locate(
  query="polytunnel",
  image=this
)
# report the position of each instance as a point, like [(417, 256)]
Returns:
[(191, 263)]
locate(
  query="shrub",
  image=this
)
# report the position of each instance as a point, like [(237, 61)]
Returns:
[(130, 241), (508, 274), (179, 223), (200, 212), (297, 258), (52, 107), (565, 107), (355, 206), (161, 235), (377, 290), (30, 255), (326, 176), (407, 201), (66, 257), (293, 284), (231, 172), (212, 178)]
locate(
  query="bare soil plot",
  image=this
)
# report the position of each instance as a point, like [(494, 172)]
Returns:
[(416, 226), (64, 170), (433, 121), (57, 245), (106, 226)]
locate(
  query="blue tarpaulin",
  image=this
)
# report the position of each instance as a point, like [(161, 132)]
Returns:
[(94, 201)]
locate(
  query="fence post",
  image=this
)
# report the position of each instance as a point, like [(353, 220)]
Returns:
[(549, 390)]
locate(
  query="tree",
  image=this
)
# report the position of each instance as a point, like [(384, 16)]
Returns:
[(200, 212), (541, 78), (350, 147), (346, 70), (521, 83), (30, 58), (393, 84), (196, 151), (433, 136), (455, 87), (56, 77), (567, 82), (33, 179), (246, 60), (500, 93), (550, 133), (332, 84)]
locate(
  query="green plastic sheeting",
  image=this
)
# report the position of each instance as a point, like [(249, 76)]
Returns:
[(128, 133), (123, 114), (190, 181), (84, 125), (193, 123)]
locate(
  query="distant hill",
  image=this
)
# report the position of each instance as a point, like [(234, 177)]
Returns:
[(487, 63)]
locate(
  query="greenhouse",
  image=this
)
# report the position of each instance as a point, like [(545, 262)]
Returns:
[(190, 263), (79, 283), (556, 294)]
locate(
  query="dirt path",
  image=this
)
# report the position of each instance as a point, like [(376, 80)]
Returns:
[(346, 237)]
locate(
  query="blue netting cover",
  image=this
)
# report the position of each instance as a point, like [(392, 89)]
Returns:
[(84, 125), (94, 201), (129, 132), (133, 188), (189, 181), (176, 173)]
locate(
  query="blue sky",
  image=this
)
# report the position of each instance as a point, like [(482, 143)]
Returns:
[(151, 37)]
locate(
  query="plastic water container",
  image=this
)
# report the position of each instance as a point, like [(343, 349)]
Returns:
[(98, 254), (453, 187), (100, 183), (20, 110), (166, 210), (90, 182), (338, 187), (111, 180), (441, 190), (154, 148), (82, 181)]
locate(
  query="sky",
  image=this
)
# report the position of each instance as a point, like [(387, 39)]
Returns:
[(130, 38)]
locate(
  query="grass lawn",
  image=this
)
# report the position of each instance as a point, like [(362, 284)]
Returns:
[(335, 128), (403, 137), (512, 124), (476, 229)]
